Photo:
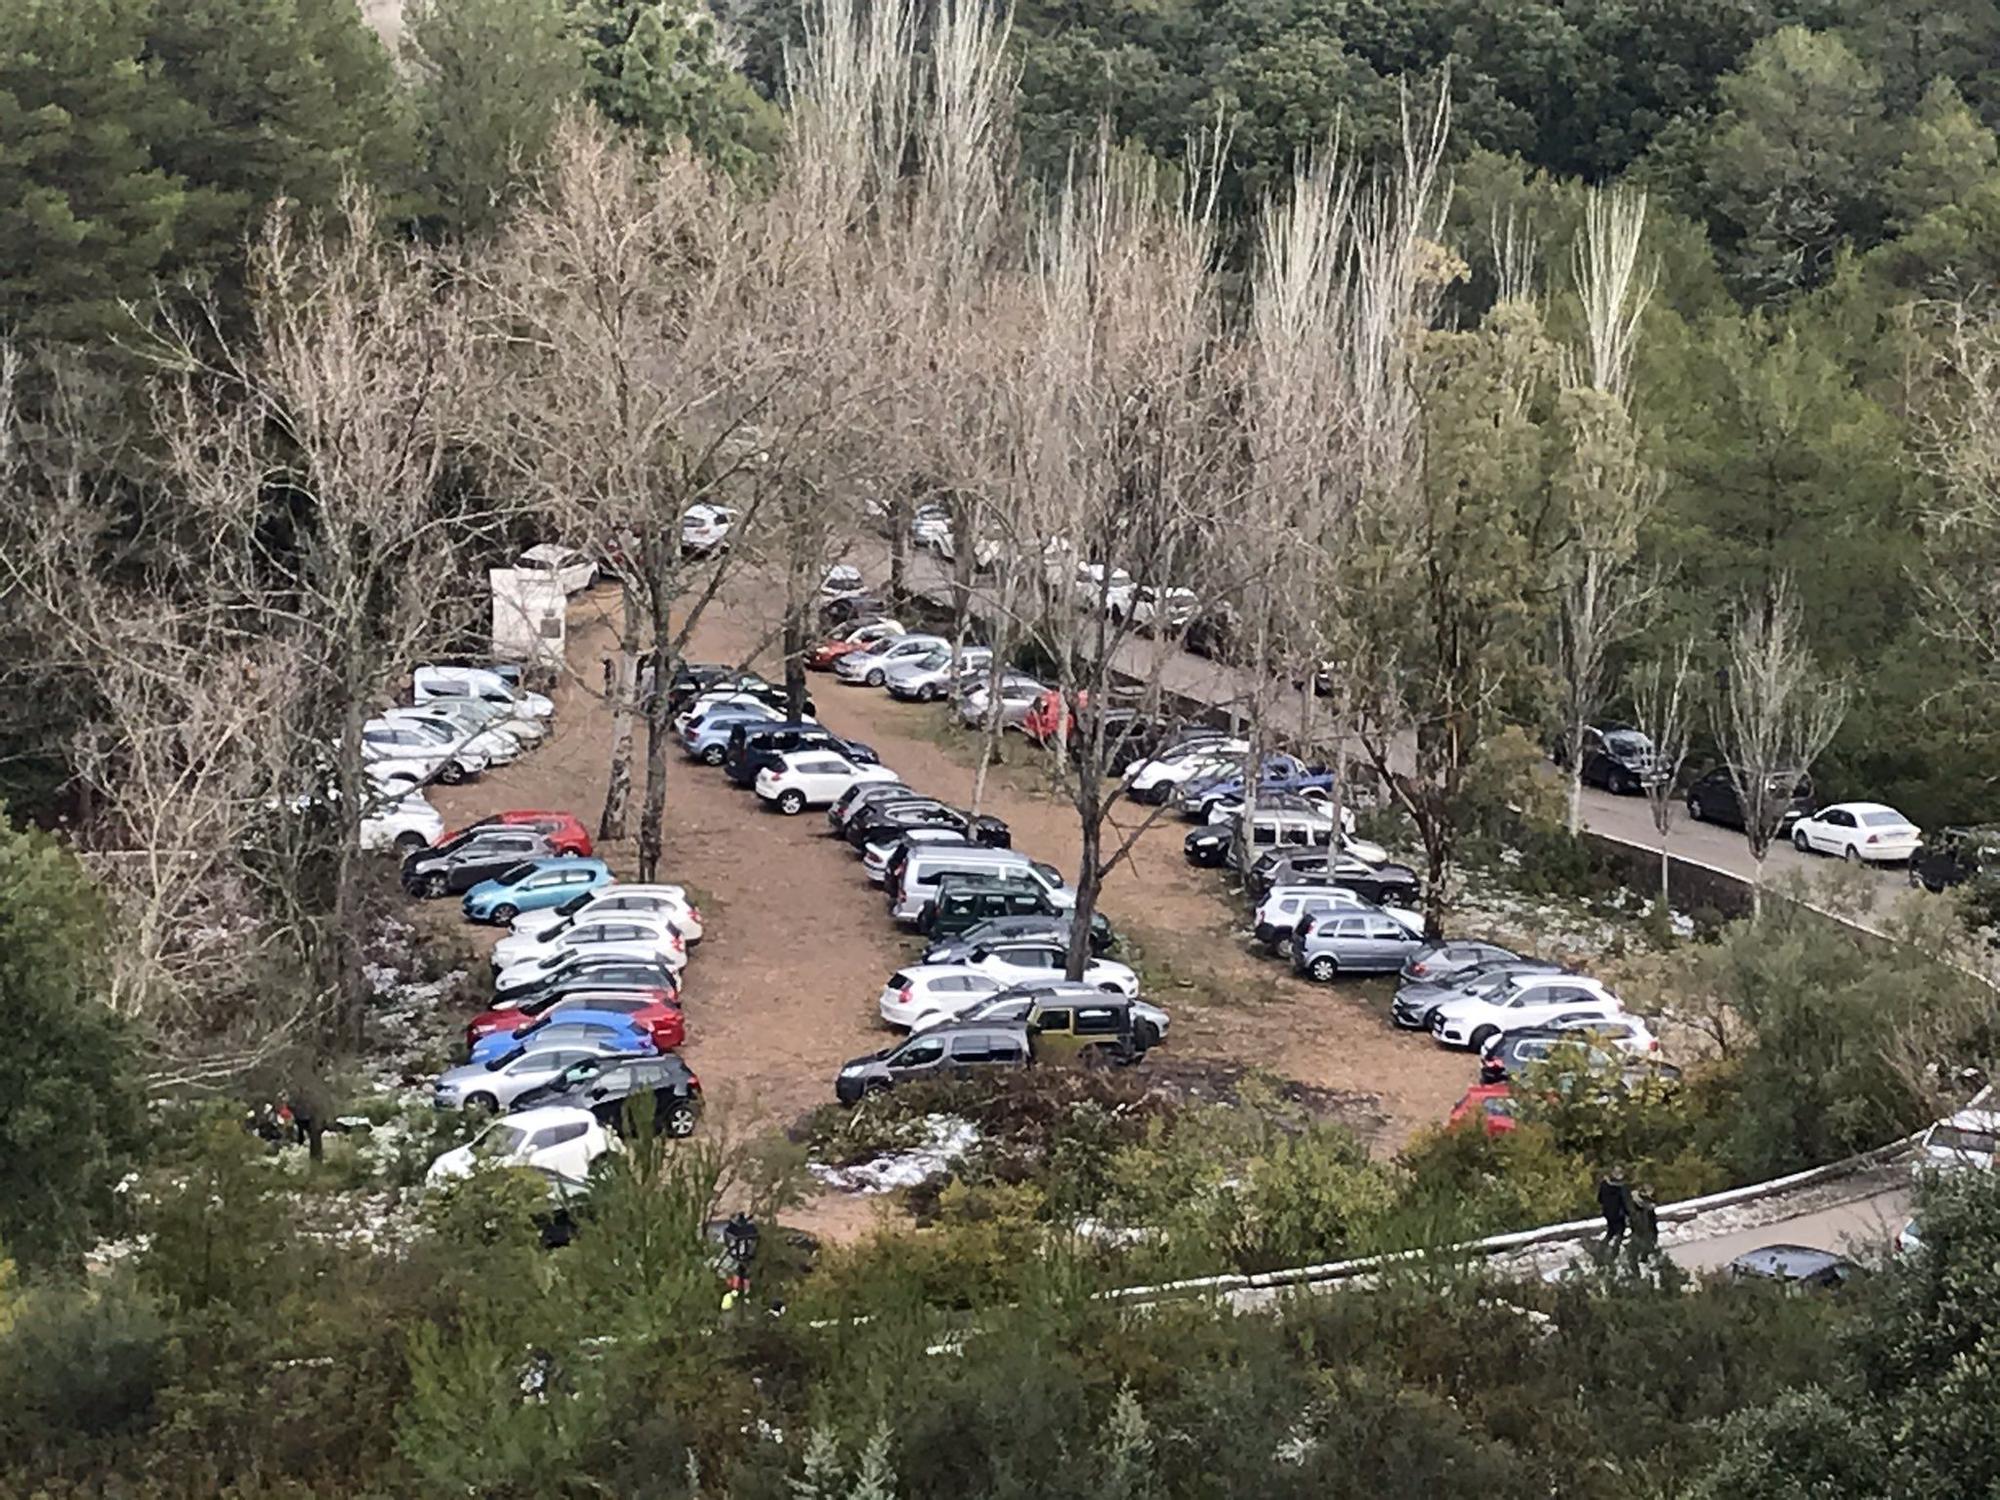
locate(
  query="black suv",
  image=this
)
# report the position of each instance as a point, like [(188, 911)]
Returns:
[(475, 855), (1711, 798), (1054, 927), (752, 747), (1385, 885), (890, 816), (606, 1086), (1952, 856)]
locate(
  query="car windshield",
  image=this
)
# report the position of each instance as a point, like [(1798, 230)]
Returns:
[(499, 1140), (932, 659), (1628, 742), (1884, 819), (515, 874), (1956, 1138)]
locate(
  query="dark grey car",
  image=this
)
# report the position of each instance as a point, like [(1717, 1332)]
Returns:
[(1415, 1004), (1352, 942), (1438, 962), (954, 1050)]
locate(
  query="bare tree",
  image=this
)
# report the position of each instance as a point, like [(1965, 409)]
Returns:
[(1958, 428), (1607, 488), (1776, 717), (1663, 710)]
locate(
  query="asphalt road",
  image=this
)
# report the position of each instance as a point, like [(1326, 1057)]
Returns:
[(1862, 1227), (1626, 819)]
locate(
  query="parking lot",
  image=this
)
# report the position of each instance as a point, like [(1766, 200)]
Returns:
[(783, 989)]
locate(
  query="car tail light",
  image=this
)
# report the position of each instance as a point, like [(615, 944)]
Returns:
[(906, 995), (694, 1083), (1874, 838), (1418, 969), (694, 915)]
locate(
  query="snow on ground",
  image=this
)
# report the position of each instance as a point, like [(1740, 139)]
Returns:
[(941, 1142)]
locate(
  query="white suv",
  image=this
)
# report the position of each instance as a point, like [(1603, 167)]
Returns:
[(1281, 909), (556, 1140), (1508, 1002), (1155, 780), (813, 778)]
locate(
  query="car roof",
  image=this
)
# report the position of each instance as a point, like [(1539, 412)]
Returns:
[(1787, 1261), (1973, 1119), (949, 1028), (543, 1115), (1859, 807)]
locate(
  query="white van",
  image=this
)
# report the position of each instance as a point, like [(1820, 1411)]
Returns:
[(922, 868), (477, 682), (1264, 831)]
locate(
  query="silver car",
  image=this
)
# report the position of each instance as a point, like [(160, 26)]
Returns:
[(1018, 695), (872, 666), (927, 678), (498, 1083), (1353, 942)]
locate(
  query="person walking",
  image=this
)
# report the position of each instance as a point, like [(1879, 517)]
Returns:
[(1614, 1203)]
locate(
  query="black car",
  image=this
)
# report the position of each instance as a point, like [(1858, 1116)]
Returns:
[(1615, 757), (851, 608), (477, 854), (1055, 927), (752, 747), (1208, 845), (1711, 798), (1952, 856), (693, 678), (600, 971), (609, 1086), (878, 819), (860, 795), (1795, 1266), (1212, 632), (1385, 885)]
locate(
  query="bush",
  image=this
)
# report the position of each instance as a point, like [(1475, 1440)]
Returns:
[(80, 1363)]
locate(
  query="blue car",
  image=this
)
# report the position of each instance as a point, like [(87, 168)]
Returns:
[(615, 1027), (1280, 773), (534, 885)]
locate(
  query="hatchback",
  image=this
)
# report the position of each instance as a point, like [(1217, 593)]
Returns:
[(538, 885), (609, 1086)]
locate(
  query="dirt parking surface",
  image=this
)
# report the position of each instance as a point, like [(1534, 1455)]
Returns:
[(784, 987)]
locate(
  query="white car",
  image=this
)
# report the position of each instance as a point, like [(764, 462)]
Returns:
[(843, 580), (1089, 585), (813, 778), (872, 666), (1508, 1002), (450, 732), (668, 901), (924, 994), (404, 824), (1155, 780), (985, 551), (704, 528), (1154, 609), (407, 745), (928, 523), (1018, 695), (926, 678), (1858, 831), (479, 683), (477, 713), (566, 567), (1017, 962), (556, 1139), (1279, 912), (628, 934), (1970, 1138)]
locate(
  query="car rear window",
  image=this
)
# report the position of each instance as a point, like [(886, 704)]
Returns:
[(1883, 819)]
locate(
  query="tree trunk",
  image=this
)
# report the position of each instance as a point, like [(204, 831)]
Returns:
[(624, 690), (346, 925), (797, 640), (1336, 803), (1666, 889), (1437, 866), (653, 811), (1089, 876), (1573, 779)]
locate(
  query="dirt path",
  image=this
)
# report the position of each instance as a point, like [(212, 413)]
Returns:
[(783, 990)]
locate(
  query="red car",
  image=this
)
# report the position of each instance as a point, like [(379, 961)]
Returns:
[(565, 833), (854, 638), (652, 1009), (1492, 1104)]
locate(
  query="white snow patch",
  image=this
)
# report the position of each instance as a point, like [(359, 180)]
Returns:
[(944, 1139)]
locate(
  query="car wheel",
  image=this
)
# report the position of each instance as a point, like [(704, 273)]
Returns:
[(1799, 841), (1324, 969), (409, 843), (875, 1086), (435, 886), (451, 773), (712, 756), (680, 1119), (927, 693), (1482, 1036), (1933, 885), (485, 1102), (503, 913), (791, 803), (876, 677), (1852, 854)]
